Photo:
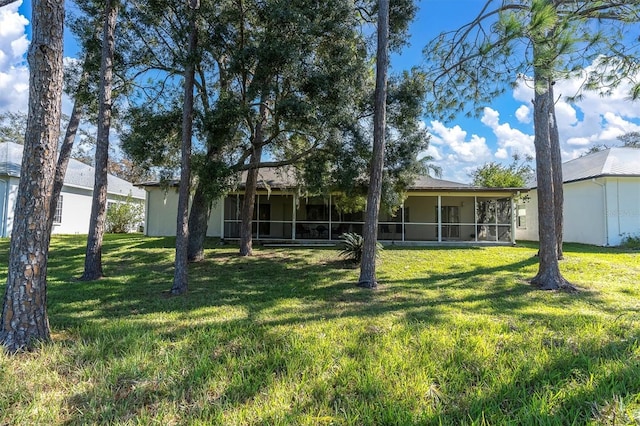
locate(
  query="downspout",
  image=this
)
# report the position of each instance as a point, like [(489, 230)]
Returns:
[(3, 230), (604, 210)]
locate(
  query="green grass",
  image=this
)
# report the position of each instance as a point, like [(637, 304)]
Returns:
[(452, 336)]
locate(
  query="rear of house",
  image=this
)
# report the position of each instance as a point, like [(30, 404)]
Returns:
[(435, 211), (601, 199), (74, 205)]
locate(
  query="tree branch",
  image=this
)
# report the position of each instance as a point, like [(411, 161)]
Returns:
[(6, 2)]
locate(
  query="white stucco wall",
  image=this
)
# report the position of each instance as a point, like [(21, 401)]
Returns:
[(530, 230), (584, 212), (623, 208), (161, 209), (597, 211)]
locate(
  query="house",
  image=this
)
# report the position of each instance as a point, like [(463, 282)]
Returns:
[(601, 199), (435, 210), (74, 206)]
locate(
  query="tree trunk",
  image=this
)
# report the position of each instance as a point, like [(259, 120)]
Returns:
[(93, 258), (548, 276), (370, 231), (24, 314), (198, 223), (251, 186), (248, 204), (63, 158), (181, 272), (556, 164)]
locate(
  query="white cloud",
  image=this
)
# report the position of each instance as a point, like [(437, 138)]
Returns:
[(509, 140), (592, 120), (456, 153), (14, 74), (579, 141), (523, 114), (502, 154)]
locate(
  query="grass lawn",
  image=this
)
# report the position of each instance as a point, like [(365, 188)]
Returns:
[(452, 336)]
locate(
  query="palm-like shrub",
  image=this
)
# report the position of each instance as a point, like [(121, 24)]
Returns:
[(631, 242), (352, 245)]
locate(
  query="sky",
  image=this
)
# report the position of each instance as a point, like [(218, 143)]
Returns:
[(458, 147)]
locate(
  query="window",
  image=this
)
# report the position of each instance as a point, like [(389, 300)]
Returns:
[(57, 217), (450, 215), (521, 221)]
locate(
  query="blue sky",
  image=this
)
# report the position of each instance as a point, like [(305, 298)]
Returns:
[(458, 147)]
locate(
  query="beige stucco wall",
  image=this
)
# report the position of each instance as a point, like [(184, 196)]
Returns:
[(161, 209)]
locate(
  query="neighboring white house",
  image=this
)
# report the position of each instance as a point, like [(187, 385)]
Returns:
[(435, 211), (74, 205), (601, 199)]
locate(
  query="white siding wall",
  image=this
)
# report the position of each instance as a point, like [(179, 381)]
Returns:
[(9, 198), (76, 209)]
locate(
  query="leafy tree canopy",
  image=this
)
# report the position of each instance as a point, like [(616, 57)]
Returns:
[(496, 175)]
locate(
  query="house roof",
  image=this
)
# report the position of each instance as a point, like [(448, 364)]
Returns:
[(283, 178), (78, 174), (619, 161)]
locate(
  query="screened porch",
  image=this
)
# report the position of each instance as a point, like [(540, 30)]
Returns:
[(422, 218)]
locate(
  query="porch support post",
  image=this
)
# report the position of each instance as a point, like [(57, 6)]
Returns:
[(513, 220), (258, 217), (224, 211), (402, 212), (475, 216), (330, 200), (293, 217), (496, 222), (439, 218)]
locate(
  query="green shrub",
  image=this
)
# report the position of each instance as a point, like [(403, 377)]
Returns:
[(631, 242), (352, 245), (123, 217)]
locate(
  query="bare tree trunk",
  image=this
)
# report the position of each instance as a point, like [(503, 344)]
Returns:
[(370, 231), (248, 204), (198, 223), (251, 186), (93, 258), (181, 272), (548, 276), (24, 314), (556, 164), (63, 158)]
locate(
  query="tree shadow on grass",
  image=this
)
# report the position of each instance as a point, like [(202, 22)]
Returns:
[(231, 360)]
